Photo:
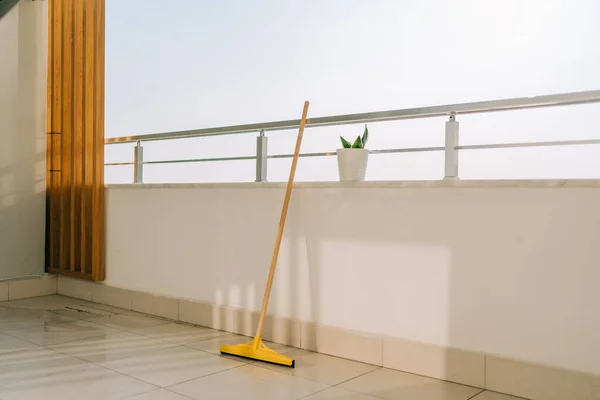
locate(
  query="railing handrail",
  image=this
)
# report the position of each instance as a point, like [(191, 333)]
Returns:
[(563, 99)]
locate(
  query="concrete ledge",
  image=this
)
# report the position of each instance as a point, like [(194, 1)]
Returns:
[(512, 377), (23, 288), (438, 184)]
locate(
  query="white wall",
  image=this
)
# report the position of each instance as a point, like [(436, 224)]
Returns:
[(506, 271), (23, 37)]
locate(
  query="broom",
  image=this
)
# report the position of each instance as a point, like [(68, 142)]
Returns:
[(256, 349)]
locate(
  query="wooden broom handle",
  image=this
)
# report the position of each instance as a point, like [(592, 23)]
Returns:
[(286, 203)]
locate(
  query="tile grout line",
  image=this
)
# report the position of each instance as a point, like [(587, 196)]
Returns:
[(202, 377), (476, 394)]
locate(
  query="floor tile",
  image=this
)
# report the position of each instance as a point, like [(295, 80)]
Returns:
[(172, 365), (335, 393), (395, 385), (127, 322), (79, 311), (111, 348), (44, 318), (10, 344), (24, 365), (322, 368), (89, 382), (213, 345), (494, 396), (96, 307), (47, 335), (16, 314), (249, 382), (159, 394), (179, 333), (44, 302)]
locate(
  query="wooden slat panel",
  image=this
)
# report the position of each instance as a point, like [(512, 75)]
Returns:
[(75, 145), (78, 105)]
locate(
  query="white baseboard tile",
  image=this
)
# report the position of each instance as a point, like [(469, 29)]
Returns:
[(112, 296), (337, 342), (538, 382), (445, 363), (208, 315), (245, 322), (158, 305), (33, 287), (96, 292), (3, 291), (278, 330), (76, 288)]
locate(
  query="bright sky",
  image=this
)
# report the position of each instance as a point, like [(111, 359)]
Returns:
[(186, 64)]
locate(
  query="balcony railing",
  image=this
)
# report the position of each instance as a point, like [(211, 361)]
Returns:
[(450, 148)]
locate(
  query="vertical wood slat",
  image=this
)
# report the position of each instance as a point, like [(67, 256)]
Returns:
[(55, 59), (88, 120), (98, 211), (66, 134), (49, 197), (78, 105), (75, 145)]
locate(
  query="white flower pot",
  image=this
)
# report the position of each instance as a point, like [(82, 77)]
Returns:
[(352, 164)]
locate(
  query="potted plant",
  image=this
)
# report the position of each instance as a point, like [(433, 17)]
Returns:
[(353, 157)]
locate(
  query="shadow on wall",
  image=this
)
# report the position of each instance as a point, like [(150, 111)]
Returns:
[(22, 141), (497, 271)]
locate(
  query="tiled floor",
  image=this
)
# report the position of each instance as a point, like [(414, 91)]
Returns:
[(57, 347)]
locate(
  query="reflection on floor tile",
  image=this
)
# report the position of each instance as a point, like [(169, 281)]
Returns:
[(88, 382), (111, 348), (322, 368), (172, 365), (249, 382), (9, 344), (23, 365), (178, 333), (61, 333), (335, 393), (395, 385), (127, 322), (15, 314), (44, 318), (159, 394)]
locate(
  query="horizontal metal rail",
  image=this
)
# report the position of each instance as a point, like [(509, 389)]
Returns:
[(393, 115), (386, 151)]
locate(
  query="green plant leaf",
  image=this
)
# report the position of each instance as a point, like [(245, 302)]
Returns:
[(345, 144), (365, 136), (357, 143)]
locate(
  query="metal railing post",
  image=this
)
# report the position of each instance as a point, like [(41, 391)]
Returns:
[(138, 163), (451, 153), (261, 157)]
